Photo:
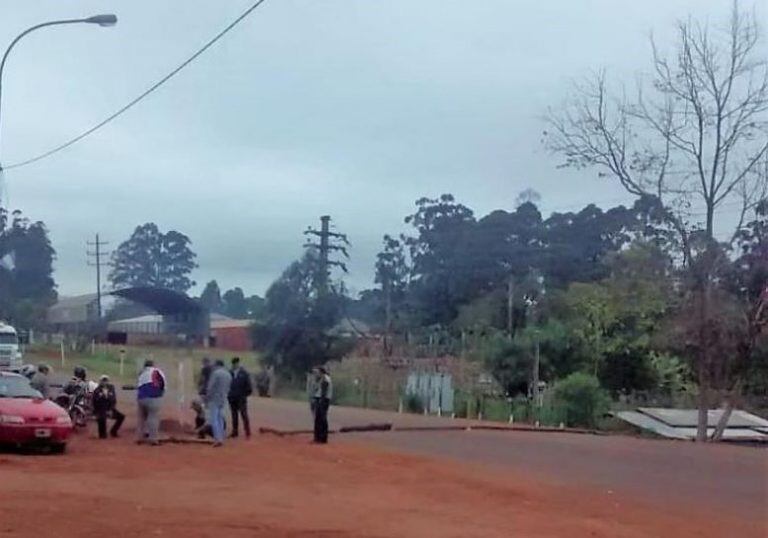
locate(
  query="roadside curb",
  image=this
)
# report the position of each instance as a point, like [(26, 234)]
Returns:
[(388, 427)]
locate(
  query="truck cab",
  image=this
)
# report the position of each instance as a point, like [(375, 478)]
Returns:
[(10, 354)]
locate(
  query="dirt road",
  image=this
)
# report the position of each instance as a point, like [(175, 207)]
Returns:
[(270, 487), (728, 478)]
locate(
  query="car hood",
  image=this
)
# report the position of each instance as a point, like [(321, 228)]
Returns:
[(28, 408)]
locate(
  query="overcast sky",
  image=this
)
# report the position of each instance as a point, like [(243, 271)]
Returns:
[(353, 108)]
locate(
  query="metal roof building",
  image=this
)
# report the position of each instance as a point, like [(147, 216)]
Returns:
[(179, 314)]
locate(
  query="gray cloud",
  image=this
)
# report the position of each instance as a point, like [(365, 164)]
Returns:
[(350, 108)]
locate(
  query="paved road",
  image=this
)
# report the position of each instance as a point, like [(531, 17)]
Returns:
[(731, 478)]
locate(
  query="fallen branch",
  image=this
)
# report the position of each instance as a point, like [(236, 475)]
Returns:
[(430, 428), (283, 433), (387, 427), (184, 441), (384, 427)]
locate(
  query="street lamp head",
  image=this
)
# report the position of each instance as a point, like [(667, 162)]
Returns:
[(102, 20)]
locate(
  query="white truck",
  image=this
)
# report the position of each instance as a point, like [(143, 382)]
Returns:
[(10, 353)]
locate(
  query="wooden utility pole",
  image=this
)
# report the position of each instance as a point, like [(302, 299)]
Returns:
[(510, 304), (387, 284), (96, 254), (536, 368)]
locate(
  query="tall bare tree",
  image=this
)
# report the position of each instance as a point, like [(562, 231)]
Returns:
[(694, 134)]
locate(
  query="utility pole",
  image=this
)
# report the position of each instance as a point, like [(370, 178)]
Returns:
[(328, 242), (97, 262), (536, 369), (510, 304), (531, 305)]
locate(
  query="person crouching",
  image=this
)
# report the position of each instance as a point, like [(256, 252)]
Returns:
[(104, 406)]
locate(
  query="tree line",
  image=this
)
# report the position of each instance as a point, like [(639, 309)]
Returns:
[(27, 287), (659, 296)]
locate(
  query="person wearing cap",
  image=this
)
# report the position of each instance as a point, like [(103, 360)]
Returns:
[(150, 389), (321, 402), (104, 406), (40, 381)]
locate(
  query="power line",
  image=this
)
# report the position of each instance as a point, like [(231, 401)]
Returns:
[(135, 101)]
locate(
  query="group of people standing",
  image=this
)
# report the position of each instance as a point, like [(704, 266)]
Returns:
[(217, 387)]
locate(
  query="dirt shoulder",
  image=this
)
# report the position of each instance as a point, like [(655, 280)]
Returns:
[(288, 488)]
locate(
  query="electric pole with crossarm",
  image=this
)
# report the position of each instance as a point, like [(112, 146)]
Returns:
[(96, 255), (328, 242)]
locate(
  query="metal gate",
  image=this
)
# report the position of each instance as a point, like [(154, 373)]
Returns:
[(435, 391)]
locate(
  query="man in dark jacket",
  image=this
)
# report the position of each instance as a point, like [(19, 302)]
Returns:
[(104, 405), (239, 391), (322, 388), (205, 375)]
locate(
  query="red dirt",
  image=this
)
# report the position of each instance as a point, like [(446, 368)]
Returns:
[(271, 487)]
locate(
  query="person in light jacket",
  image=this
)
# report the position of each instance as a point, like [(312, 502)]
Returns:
[(40, 381), (216, 400), (150, 389)]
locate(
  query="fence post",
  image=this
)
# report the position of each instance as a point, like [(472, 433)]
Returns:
[(62, 353), (182, 396)]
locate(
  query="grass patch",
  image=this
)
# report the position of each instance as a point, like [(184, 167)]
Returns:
[(106, 359)]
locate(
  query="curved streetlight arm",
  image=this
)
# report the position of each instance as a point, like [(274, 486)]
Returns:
[(30, 30), (101, 20)]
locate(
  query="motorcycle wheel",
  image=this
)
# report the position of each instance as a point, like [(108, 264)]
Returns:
[(79, 420)]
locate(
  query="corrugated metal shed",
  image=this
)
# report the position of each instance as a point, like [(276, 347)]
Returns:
[(690, 417), (651, 424), (681, 423)]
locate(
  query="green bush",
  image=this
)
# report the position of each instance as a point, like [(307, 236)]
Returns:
[(496, 409), (344, 393), (580, 399), (413, 403)]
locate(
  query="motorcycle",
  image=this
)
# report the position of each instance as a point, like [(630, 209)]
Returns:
[(77, 403)]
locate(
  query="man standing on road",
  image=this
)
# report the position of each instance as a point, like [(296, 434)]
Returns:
[(216, 395), (323, 392), (40, 381), (150, 390), (104, 405), (239, 391)]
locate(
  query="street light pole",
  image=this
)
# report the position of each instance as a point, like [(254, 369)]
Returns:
[(101, 20)]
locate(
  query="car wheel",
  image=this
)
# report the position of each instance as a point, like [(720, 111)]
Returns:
[(59, 448)]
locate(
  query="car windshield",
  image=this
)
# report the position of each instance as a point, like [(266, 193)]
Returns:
[(8, 338), (16, 387)]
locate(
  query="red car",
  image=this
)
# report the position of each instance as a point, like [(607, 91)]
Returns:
[(26, 419)]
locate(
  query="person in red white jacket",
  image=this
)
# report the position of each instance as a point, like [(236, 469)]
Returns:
[(150, 390)]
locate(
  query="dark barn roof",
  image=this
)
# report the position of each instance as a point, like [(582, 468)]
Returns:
[(163, 301)]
